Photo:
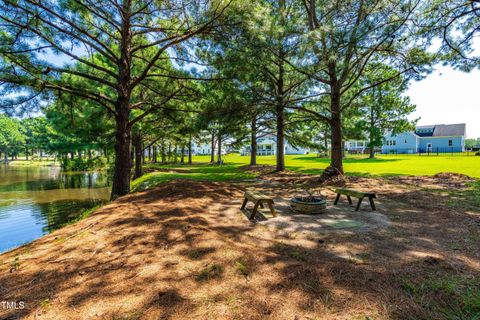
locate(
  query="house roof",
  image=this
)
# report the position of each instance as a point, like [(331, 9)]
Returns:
[(441, 130)]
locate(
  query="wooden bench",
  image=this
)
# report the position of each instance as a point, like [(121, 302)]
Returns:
[(258, 199), (357, 194)]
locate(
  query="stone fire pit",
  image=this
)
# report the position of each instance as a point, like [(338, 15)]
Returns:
[(308, 205)]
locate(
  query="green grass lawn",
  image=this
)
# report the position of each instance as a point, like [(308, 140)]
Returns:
[(197, 171), (34, 163), (385, 165), (382, 165)]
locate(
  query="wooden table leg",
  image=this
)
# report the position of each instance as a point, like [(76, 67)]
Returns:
[(349, 200), (359, 204), (337, 198), (244, 204), (254, 211), (372, 204), (272, 209)]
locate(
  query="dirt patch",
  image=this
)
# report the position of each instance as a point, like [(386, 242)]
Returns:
[(185, 251), (259, 169)]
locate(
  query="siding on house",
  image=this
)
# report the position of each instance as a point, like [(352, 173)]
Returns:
[(289, 149), (435, 138), (442, 144), (406, 142)]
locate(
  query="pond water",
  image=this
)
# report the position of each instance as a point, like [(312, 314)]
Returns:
[(35, 201)]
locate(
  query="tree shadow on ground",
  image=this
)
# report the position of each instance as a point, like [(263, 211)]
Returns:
[(185, 250)]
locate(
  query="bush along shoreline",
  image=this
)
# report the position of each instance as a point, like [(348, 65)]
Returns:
[(85, 164)]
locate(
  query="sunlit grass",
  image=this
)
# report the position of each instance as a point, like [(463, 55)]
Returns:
[(34, 163), (383, 165), (227, 172)]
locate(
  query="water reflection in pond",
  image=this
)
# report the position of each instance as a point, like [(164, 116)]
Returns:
[(37, 200)]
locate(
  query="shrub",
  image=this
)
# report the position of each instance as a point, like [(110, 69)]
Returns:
[(477, 153), (83, 164)]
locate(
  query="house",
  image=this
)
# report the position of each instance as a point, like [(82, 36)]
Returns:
[(199, 148), (267, 146), (355, 146), (440, 138), (205, 148)]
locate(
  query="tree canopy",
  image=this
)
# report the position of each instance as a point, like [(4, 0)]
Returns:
[(123, 79)]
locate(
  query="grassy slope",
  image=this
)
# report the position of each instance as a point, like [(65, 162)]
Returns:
[(228, 172)]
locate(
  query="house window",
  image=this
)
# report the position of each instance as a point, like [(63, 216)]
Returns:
[(450, 143)]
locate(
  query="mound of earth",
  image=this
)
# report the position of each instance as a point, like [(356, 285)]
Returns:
[(452, 176)]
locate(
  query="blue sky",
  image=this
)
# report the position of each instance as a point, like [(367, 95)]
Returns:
[(448, 96)]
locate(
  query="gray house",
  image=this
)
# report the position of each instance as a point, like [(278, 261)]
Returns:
[(440, 138)]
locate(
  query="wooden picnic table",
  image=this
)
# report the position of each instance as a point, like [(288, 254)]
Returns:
[(258, 199), (357, 194)]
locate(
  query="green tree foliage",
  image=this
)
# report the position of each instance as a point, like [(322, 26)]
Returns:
[(156, 75), (457, 23), (472, 143), (11, 135), (385, 107), (341, 38), (119, 49), (253, 52)]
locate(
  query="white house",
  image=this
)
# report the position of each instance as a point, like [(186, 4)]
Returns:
[(355, 146), (267, 146), (201, 148), (204, 148)]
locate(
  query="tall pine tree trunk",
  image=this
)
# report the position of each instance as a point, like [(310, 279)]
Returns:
[(371, 137), (190, 149), (121, 173), (137, 145), (280, 99), (212, 151), (280, 138), (253, 144), (162, 152), (219, 151), (336, 126)]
